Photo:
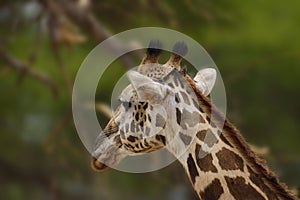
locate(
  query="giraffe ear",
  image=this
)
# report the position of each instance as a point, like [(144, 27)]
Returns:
[(146, 88), (205, 79)]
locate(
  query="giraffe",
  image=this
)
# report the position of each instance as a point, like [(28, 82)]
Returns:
[(164, 107)]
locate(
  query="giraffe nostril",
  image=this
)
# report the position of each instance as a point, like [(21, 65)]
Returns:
[(97, 166)]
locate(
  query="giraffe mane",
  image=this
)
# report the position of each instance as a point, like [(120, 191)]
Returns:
[(233, 135)]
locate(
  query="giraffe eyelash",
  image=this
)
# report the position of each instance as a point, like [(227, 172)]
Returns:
[(126, 104)]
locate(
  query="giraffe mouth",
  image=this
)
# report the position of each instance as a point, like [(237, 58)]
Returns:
[(97, 166)]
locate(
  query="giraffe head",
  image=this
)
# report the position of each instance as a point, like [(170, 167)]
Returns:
[(158, 109)]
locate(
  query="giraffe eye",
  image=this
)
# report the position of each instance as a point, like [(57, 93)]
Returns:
[(126, 104)]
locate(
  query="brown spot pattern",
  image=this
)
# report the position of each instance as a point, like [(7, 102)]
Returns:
[(201, 135), (201, 119), (204, 163), (208, 137), (229, 160), (127, 128), (177, 100), (122, 134), (171, 85), (185, 138), (161, 138), (132, 126), (131, 138), (192, 168), (196, 104), (178, 116), (147, 131), (240, 190), (160, 121), (213, 191), (175, 81), (191, 119), (117, 139), (185, 97)]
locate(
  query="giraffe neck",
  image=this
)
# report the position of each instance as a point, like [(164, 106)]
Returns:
[(221, 165)]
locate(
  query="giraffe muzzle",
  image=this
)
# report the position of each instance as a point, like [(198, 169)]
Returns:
[(97, 166)]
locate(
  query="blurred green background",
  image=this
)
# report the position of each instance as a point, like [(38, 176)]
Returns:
[(255, 45)]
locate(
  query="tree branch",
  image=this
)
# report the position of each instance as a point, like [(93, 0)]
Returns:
[(87, 21), (25, 69)]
